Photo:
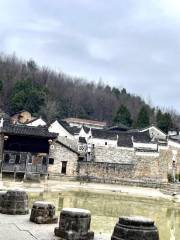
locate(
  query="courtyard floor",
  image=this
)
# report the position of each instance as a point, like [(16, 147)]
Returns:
[(18, 227)]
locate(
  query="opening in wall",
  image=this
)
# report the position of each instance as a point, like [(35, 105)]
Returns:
[(51, 161), (64, 167)]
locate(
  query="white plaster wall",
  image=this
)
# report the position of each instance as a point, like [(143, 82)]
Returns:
[(155, 132), (56, 127), (82, 133), (152, 146), (148, 154), (173, 144), (85, 124), (37, 122), (101, 142)]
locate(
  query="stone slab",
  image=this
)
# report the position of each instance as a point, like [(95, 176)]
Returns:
[(11, 232), (18, 227)]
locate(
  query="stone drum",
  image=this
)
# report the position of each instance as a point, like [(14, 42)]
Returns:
[(43, 212), (135, 228), (15, 202), (74, 224), (2, 193)]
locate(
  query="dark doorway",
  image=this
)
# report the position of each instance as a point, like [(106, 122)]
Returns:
[(64, 167)]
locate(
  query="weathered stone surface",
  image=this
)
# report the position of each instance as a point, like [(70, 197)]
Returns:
[(74, 224), (32, 177), (135, 228), (116, 163), (2, 193), (60, 154), (15, 202), (43, 212)]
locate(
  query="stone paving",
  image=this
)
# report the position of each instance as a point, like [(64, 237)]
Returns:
[(13, 227)]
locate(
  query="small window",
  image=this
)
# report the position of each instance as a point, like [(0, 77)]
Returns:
[(44, 162), (17, 159), (12, 158), (105, 143), (51, 161), (6, 158), (29, 159)]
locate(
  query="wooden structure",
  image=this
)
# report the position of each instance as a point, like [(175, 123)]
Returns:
[(24, 149)]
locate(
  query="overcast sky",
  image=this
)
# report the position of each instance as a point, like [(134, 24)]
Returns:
[(127, 43)]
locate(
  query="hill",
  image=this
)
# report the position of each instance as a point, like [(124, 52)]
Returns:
[(25, 85)]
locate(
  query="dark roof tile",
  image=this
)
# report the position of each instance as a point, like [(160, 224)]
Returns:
[(104, 134), (125, 138), (23, 130)]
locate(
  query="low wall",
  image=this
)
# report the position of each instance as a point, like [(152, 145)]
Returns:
[(106, 170)]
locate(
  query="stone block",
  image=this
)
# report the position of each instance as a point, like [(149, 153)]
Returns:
[(2, 193), (135, 228), (43, 212), (74, 224), (15, 202)]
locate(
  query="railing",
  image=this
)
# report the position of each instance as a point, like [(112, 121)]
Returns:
[(13, 167), (38, 168)]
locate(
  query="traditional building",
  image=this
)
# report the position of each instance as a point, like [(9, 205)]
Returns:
[(24, 149), (25, 117), (63, 159), (78, 122)]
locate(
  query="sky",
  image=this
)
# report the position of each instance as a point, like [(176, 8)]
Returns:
[(133, 44)]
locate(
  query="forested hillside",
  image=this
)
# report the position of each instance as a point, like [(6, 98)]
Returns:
[(24, 85)]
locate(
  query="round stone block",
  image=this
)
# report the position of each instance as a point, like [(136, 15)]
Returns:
[(135, 228), (2, 193), (15, 202), (43, 212), (74, 224)]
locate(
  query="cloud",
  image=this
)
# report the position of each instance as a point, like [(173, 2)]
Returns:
[(132, 44)]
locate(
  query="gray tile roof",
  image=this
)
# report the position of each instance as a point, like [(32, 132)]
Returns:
[(125, 138), (23, 130)]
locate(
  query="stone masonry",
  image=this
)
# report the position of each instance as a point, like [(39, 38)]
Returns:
[(61, 153), (114, 154), (120, 163)]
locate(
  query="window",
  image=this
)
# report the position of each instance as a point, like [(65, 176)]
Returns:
[(44, 161), (6, 158), (17, 159), (51, 161), (29, 159), (12, 158)]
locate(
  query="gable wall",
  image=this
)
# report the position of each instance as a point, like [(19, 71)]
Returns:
[(61, 153), (57, 128)]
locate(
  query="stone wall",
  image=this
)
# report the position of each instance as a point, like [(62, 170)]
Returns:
[(114, 154), (61, 153), (119, 163), (115, 163), (105, 170)]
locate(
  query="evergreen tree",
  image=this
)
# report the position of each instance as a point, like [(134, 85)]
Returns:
[(116, 92), (143, 119), (123, 116), (27, 95), (164, 121)]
